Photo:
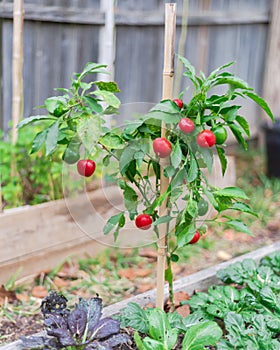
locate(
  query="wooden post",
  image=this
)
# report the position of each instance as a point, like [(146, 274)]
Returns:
[(107, 40), (167, 93), (17, 104), (271, 85), (203, 40), (107, 43)]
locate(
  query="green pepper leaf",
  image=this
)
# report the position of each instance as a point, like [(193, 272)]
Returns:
[(108, 86), (190, 70), (226, 78), (244, 124), (91, 68), (34, 118), (52, 138), (192, 208), (56, 105), (184, 233), (168, 118), (166, 106), (112, 141), (222, 158), (176, 155), (39, 140), (207, 155), (230, 113), (115, 222), (108, 97), (130, 198), (93, 104), (162, 220), (243, 207), (193, 169), (261, 102), (232, 192), (239, 226), (89, 130), (237, 132), (72, 152)]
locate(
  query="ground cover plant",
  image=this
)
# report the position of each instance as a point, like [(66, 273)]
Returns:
[(36, 180), (243, 313), (245, 310)]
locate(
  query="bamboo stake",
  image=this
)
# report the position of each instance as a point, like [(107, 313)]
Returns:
[(167, 93), (17, 104)]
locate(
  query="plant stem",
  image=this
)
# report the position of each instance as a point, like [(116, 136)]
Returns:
[(51, 186), (170, 283), (181, 47)]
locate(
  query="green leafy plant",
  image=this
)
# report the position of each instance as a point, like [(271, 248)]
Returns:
[(142, 156), (251, 314), (57, 134), (76, 117), (156, 330), (82, 328), (36, 179), (188, 156)]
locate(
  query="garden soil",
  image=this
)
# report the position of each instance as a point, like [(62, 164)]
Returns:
[(23, 324)]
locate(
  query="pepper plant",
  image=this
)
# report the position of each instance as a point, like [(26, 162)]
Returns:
[(195, 130)]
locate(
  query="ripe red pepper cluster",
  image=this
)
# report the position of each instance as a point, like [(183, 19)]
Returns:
[(162, 148), (205, 139)]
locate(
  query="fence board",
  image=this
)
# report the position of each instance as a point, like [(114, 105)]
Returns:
[(1, 74), (61, 36), (134, 17), (7, 30), (272, 77)]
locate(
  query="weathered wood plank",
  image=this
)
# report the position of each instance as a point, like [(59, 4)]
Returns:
[(7, 30), (133, 18), (198, 281), (236, 29), (40, 237), (55, 14), (271, 86), (1, 74)]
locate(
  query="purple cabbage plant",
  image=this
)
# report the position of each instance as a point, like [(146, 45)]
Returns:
[(81, 329)]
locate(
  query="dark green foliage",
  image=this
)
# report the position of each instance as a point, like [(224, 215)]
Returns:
[(161, 331), (36, 179), (251, 314)]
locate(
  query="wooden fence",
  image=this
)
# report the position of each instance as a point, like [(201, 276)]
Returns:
[(60, 36)]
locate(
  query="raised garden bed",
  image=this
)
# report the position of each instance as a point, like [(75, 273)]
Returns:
[(39, 237), (196, 282)]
